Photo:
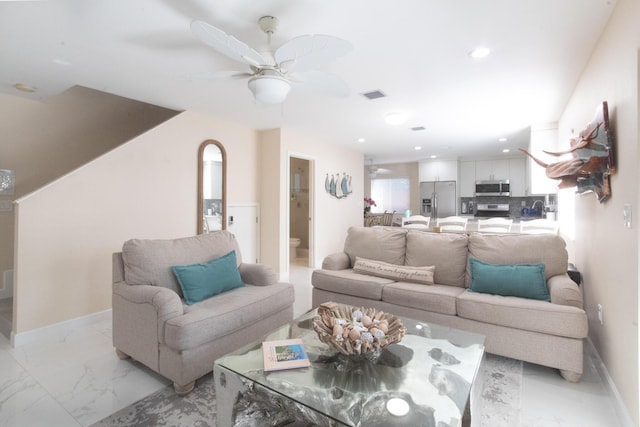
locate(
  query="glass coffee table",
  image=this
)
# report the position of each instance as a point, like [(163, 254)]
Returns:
[(424, 380)]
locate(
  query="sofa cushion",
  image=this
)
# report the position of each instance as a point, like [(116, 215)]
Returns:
[(547, 249), (523, 313), (518, 280), (435, 298), (446, 251), (394, 271), (149, 262), (349, 282), (228, 312), (376, 243), (204, 280)]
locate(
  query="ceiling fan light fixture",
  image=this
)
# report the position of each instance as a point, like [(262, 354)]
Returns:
[(269, 89)]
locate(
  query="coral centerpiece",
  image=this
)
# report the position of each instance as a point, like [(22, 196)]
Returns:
[(356, 331)]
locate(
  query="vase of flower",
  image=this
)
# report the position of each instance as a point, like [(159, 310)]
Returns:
[(368, 203)]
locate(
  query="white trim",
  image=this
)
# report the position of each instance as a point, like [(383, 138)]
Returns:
[(607, 381), (18, 340)]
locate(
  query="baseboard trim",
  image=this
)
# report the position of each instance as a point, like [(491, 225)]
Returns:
[(612, 390), (22, 338)]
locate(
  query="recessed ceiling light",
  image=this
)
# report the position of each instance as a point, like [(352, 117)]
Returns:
[(506, 150), (361, 140), (481, 52), (23, 87), (433, 156), (502, 139), (417, 148), (395, 118)]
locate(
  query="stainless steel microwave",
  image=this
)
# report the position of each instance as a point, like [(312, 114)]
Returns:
[(493, 188)]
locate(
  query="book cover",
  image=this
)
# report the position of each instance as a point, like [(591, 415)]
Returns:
[(284, 354)]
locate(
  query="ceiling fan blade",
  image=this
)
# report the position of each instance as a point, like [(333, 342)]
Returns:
[(320, 82), (223, 74), (310, 52), (226, 44)]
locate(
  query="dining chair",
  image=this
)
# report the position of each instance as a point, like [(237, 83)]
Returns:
[(493, 225), (539, 226), (452, 223), (416, 221)]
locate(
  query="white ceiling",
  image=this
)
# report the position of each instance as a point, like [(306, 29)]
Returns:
[(415, 51)]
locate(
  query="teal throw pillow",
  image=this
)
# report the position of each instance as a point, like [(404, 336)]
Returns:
[(202, 281), (519, 280)]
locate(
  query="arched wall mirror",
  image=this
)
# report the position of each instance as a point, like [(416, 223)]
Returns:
[(212, 187)]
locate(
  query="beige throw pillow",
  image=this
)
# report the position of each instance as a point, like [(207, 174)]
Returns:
[(393, 271)]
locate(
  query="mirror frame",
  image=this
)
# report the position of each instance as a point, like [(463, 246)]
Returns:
[(200, 220)]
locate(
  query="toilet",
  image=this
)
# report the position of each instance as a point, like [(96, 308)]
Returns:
[(294, 242)]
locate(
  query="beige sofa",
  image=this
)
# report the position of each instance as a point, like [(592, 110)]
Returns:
[(548, 333), (153, 323)]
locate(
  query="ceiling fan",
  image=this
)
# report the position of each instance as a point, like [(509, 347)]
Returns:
[(272, 74), (375, 170)]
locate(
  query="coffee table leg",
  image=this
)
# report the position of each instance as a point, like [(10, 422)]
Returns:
[(228, 387)]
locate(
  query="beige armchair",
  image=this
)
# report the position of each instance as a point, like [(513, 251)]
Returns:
[(153, 323)]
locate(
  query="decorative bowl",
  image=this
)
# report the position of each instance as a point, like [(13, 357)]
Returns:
[(357, 331)]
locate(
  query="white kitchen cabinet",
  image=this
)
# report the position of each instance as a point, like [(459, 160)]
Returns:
[(438, 170), (490, 170), (467, 179), (517, 177)]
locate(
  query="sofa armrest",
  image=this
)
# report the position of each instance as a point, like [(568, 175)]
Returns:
[(337, 261), (155, 303), (565, 291), (257, 274)]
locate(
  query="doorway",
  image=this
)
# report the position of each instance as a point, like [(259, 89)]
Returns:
[(300, 203)]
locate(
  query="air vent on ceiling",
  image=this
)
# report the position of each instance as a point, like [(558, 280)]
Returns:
[(417, 128), (374, 94)]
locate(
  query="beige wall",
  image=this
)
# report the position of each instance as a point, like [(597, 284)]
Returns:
[(605, 251), (66, 231), (42, 141), (331, 217), (270, 182)]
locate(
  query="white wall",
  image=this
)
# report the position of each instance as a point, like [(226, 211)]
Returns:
[(66, 231), (603, 250)]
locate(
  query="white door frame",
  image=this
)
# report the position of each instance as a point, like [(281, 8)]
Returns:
[(312, 195)]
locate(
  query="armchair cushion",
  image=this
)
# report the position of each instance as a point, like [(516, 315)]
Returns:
[(149, 262), (204, 280)]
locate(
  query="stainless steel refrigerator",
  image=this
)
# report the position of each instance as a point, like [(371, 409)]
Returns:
[(438, 199)]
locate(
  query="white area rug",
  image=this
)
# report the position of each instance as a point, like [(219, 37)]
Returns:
[(497, 401)]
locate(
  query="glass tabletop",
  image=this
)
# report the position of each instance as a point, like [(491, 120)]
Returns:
[(428, 375)]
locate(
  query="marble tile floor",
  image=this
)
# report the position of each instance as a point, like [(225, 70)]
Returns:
[(73, 378)]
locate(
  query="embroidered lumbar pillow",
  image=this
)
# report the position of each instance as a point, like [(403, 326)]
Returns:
[(403, 273)]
